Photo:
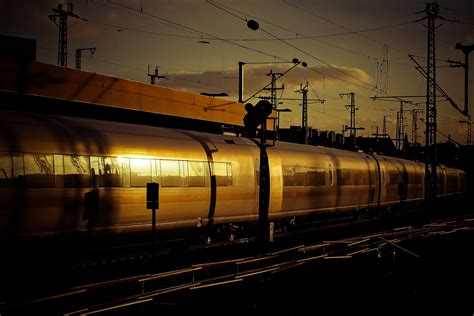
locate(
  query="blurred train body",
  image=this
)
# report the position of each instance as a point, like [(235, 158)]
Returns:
[(64, 175)]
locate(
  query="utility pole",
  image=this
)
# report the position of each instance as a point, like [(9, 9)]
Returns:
[(352, 107), (273, 88), (400, 127), (466, 49), (384, 126), (79, 55), (432, 11), (304, 108), (62, 26), (376, 131), (414, 126), (273, 100), (304, 105), (469, 127), (153, 76)]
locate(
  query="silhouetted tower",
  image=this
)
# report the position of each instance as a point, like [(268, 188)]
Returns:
[(273, 88), (153, 76), (304, 105), (414, 126), (352, 107), (376, 134), (79, 55), (384, 126), (466, 49), (62, 26), (400, 127), (273, 100), (432, 11), (469, 127)]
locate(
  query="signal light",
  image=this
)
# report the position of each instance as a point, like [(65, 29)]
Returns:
[(256, 115)]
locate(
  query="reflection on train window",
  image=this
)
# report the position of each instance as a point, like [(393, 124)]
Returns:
[(288, 176), (110, 172), (58, 171), (5, 169), (230, 178), (352, 177), (300, 173), (452, 181), (223, 173), (18, 169), (415, 178), (170, 176), (196, 174), (394, 177), (315, 177), (76, 171), (125, 172), (304, 176), (38, 170), (140, 172)]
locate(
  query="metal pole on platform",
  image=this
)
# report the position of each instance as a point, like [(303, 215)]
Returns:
[(152, 202)]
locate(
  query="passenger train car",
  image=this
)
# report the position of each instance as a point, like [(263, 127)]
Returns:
[(63, 175)]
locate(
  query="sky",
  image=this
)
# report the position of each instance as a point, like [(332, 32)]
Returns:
[(359, 46)]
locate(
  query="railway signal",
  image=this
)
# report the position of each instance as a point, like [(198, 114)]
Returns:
[(256, 116)]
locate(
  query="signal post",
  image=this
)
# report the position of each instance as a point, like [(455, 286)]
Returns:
[(257, 116)]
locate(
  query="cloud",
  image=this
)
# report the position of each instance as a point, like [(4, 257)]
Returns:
[(257, 77)]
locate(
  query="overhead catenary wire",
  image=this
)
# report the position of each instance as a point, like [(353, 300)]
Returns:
[(201, 32), (299, 49), (349, 30)]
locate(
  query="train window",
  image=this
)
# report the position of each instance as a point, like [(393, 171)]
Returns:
[(415, 178), (110, 172), (288, 176), (352, 177), (140, 172), (394, 177), (183, 173), (125, 172), (315, 177), (170, 175), (18, 169), (223, 173), (344, 177), (196, 174), (300, 173), (153, 171), (58, 171), (77, 171), (5, 169), (39, 170), (330, 174), (95, 170), (230, 177), (452, 181)]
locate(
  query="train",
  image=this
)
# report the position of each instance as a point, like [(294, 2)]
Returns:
[(62, 176)]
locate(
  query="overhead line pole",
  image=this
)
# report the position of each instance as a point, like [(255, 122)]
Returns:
[(62, 27), (432, 11)]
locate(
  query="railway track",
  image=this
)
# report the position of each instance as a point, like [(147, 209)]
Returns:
[(121, 293)]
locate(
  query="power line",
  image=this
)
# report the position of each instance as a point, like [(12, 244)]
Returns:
[(144, 17), (200, 32), (298, 37), (291, 45), (345, 28)]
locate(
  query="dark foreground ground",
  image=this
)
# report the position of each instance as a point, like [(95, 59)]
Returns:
[(439, 280), (392, 282)]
